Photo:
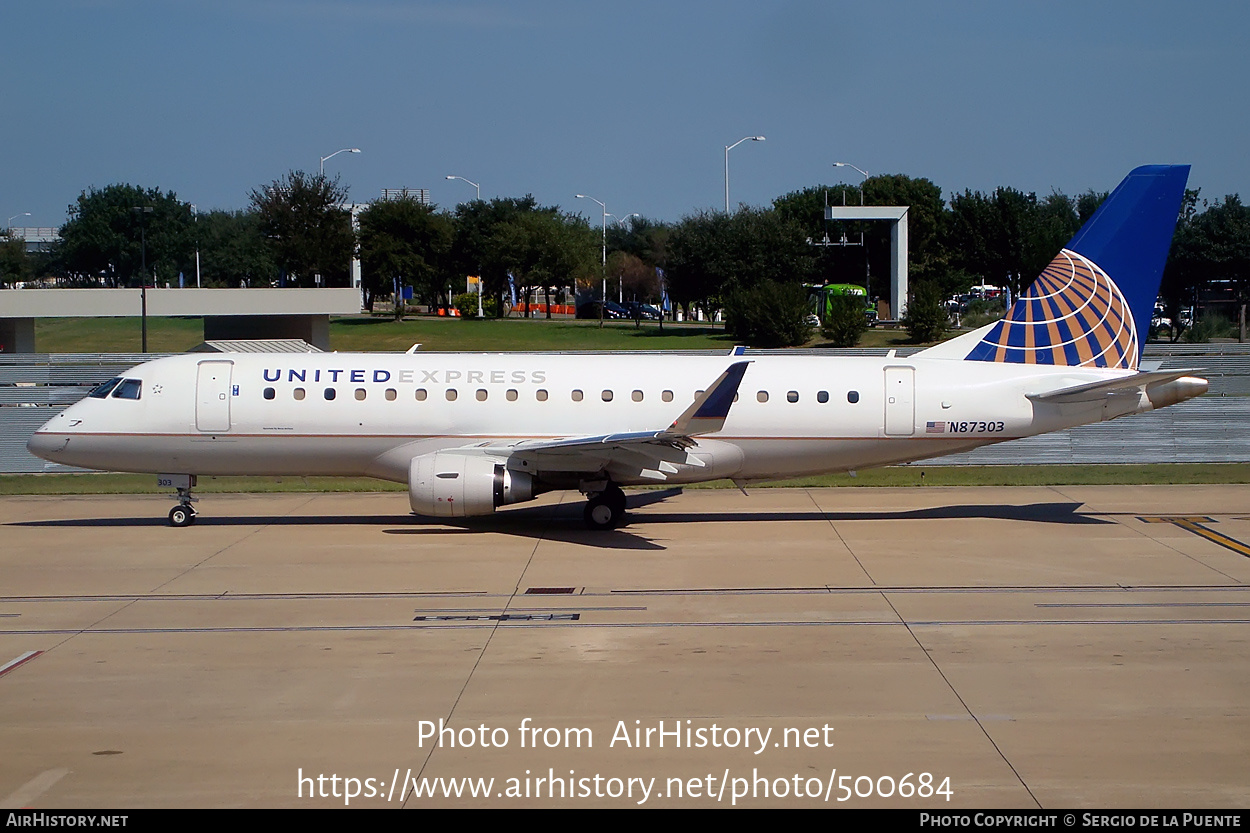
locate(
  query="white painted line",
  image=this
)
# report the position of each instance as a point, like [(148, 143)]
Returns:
[(24, 795), (14, 663)]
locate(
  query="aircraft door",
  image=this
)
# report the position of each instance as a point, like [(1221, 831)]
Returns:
[(900, 401), (212, 396)]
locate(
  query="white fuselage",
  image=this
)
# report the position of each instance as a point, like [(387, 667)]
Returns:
[(372, 414)]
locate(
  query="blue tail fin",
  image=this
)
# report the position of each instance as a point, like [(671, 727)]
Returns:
[(1092, 305)]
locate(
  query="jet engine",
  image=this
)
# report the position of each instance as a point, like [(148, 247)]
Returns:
[(452, 485)]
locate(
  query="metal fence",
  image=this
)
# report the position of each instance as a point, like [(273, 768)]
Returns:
[(1212, 428)]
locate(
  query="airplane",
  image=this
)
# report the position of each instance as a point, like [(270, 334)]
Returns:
[(471, 432)]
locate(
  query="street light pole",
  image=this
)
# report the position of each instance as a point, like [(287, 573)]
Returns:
[(867, 262), (195, 213), (603, 299), (143, 211), (862, 171), (479, 268), (471, 182), (727, 149), (8, 226), (336, 153)]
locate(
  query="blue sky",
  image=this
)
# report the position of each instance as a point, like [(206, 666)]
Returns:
[(632, 103)]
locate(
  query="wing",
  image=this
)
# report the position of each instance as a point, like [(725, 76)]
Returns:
[(650, 455)]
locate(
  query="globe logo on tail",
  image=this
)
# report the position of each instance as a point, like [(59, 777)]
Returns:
[(1072, 315)]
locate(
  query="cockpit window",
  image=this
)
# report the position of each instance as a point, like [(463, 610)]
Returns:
[(102, 391), (128, 389)]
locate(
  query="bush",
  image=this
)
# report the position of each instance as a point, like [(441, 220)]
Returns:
[(466, 304), (769, 314), (844, 320), (1208, 327), (926, 318)]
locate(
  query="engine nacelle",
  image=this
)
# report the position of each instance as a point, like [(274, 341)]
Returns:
[(451, 485)]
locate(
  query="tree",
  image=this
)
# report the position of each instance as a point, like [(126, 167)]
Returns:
[(544, 248), (309, 232), (844, 320), (15, 265), (110, 233), (233, 249), (768, 314), (711, 254), (404, 243), (925, 319), (475, 246)]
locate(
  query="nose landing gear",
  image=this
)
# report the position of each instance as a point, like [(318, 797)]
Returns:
[(184, 513)]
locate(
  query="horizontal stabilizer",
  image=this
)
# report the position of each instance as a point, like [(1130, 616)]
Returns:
[(1098, 391)]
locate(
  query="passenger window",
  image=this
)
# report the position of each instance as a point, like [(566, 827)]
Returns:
[(421, 394), (511, 395), (451, 394), (102, 391), (852, 397), (577, 396), (329, 394), (762, 396), (667, 396), (636, 396), (481, 394), (270, 393), (822, 396), (540, 395), (792, 396), (607, 396), (360, 394), (298, 393), (391, 394)]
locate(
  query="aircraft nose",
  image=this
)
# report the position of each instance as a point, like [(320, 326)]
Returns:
[(45, 445)]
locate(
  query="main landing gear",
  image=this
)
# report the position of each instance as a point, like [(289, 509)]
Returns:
[(184, 513), (606, 508)]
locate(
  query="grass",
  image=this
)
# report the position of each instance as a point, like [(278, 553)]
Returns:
[(913, 475)]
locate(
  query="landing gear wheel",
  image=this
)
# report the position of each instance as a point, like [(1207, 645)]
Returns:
[(605, 510), (599, 514), (182, 515)]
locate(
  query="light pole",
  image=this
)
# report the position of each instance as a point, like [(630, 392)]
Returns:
[(471, 182), (143, 211), (727, 149), (862, 171), (479, 268), (9, 225), (867, 262), (603, 299), (336, 153), (195, 214)]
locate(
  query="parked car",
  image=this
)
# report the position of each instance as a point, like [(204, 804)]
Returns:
[(639, 310), (611, 310)]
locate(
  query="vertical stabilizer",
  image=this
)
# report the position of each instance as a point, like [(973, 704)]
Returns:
[(1091, 307)]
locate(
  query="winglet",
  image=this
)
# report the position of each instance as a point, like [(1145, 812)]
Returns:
[(708, 413)]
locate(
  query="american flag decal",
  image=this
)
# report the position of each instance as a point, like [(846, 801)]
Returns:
[(935, 427)]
